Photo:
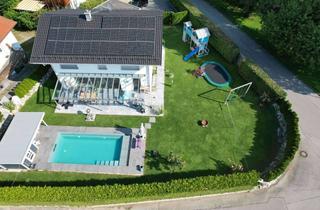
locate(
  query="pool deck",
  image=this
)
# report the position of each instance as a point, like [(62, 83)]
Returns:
[(130, 155)]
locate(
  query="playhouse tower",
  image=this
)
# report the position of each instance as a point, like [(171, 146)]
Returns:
[(198, 40)]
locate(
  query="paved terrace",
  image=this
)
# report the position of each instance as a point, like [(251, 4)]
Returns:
[(154, 101), (130, 156)]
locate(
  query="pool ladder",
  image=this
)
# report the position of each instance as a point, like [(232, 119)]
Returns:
[(107, 163)]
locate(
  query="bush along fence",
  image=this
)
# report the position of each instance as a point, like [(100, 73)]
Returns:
[(269, 90), (174, 18), (128, 192), (219, 41), (288, 135)]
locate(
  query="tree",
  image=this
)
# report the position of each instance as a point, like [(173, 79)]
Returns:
[(174, 162), (293, 29)]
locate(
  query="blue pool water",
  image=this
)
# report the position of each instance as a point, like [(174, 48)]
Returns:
[(79, 148)]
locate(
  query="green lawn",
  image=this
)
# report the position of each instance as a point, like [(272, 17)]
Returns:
[(252, 25), (246, 134)]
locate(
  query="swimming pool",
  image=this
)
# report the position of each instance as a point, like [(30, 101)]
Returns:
[(91, 149)]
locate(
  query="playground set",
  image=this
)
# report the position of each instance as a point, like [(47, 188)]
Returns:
[(214, 73), (198, 40)]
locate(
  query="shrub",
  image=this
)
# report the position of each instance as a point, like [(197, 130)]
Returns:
[(218, 40), (5, 5), (179, 17), (25, 20), (90, 4), (293, 139), (9, 105), (1, 117), (167, 17), (174, 18), (262, 82), (121, 192)]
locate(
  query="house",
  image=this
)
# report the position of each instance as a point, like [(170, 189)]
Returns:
[(18, 149), (8, 44), (101, 58)]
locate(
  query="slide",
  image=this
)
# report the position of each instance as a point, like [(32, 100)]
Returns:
[(192, 53)]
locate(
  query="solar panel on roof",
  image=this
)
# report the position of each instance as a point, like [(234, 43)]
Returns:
[(59, 48), (52, 35), (106, 22), (67, 48), (95, 48), (77, 48), (61, 34), (55, 21), (115, 22), (72, 22), (50, 47), (87, 35), (85, 48), (70, 34), (133, 22), (64, 21), (124, 22), (102, 36), (150, 22)]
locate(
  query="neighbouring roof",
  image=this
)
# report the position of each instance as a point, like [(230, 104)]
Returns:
[(6, 26), (111, 37), (30, 5), (115, 4), (18, 137)]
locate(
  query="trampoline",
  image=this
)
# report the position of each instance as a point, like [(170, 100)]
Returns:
[(216, 74)]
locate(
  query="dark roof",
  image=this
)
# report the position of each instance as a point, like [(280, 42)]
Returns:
[(111, 37)]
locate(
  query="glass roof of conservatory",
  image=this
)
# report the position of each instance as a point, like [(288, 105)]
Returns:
[(95, 89)]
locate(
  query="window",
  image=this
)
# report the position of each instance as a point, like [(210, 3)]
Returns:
[(130, 68), (68, 66), (102, 67)]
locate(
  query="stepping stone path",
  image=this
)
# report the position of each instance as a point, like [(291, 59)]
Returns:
[(152, 119), (149, 124)]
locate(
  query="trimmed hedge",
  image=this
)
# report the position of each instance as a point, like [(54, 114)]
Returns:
[(174, 18), (128, 192), (27, 84), (218, 40), (293, 139), (261, 80)]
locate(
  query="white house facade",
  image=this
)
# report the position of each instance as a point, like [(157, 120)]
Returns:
[(107, 57), (7, 41)]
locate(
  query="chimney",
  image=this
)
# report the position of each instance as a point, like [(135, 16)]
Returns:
[(87, 13)]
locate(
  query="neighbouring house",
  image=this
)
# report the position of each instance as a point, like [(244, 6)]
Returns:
[(8, 45), (30, 5), (108, 57), (18, 149)]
